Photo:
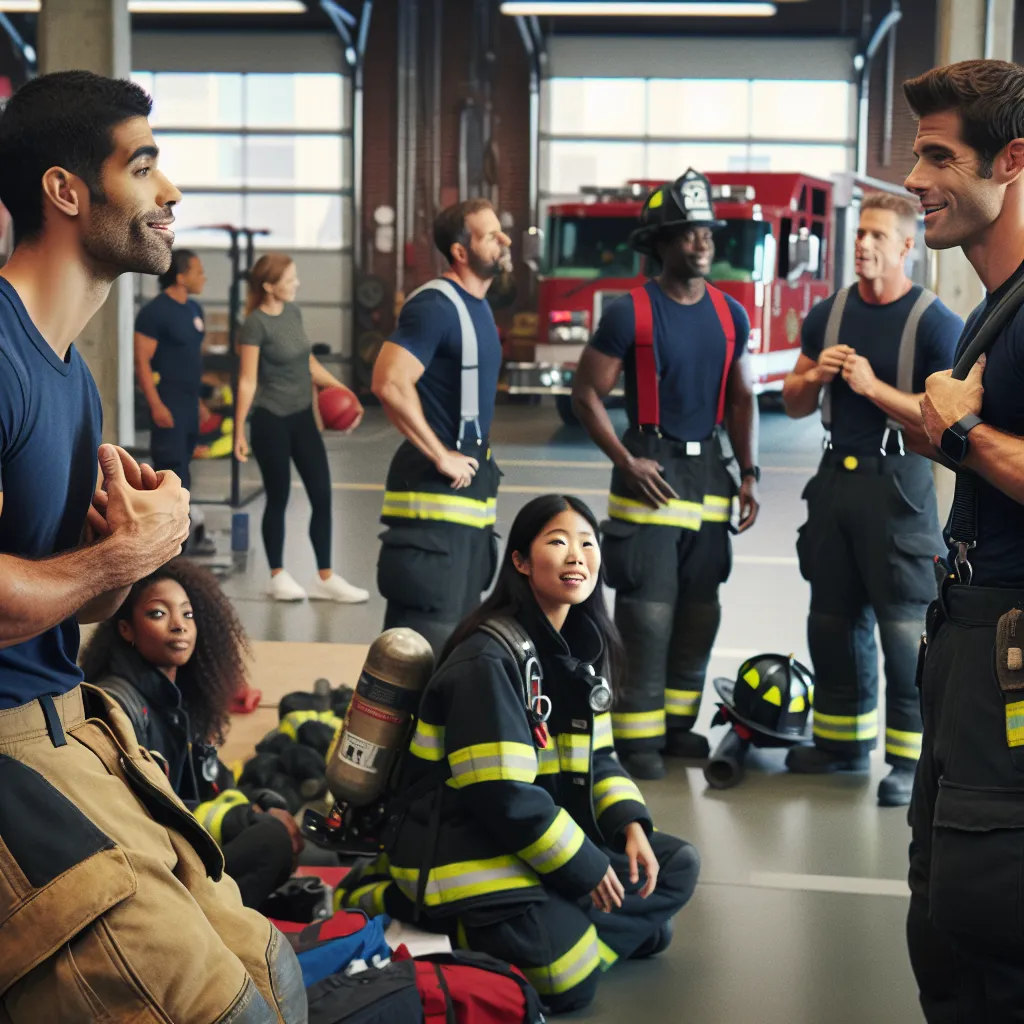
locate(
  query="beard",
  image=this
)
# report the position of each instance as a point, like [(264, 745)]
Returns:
[(125, 244), (485, 269)]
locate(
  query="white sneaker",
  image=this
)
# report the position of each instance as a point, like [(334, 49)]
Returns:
[(284, 588), (334, 588)]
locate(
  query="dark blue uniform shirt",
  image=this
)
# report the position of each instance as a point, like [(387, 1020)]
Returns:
[(178, 329), (50, 423), (428, 328), (689, 347), (875, 332), (998, 560)]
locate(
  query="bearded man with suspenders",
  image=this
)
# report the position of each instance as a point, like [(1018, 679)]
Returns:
[(666, 543)]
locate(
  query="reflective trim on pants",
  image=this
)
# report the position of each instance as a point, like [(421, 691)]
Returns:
[(903, 744), (452, 883), (440, 508), (846, 728), (638, 725), (568, 970), (682, 703)]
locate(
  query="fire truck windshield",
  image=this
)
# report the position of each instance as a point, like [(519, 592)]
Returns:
[(592, 247)]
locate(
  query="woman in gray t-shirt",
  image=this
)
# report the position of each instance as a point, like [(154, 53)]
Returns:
[(276, 375)]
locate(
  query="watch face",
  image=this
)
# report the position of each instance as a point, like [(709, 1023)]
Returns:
[(953, 446)]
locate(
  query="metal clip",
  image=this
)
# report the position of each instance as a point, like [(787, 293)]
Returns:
[(885, 442), (964, 572)]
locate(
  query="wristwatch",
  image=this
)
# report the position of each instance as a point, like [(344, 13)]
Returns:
[(754, 471), (954, 443)]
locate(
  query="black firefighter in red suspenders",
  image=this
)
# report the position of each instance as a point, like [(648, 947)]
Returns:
[(667, 549)]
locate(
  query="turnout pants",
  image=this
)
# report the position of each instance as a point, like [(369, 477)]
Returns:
[(868, 550), (965, 928), (561, 946), (439, 552), (112, 902), (171, 447), (666, 566)]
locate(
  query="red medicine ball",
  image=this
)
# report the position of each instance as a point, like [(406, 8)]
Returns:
[(338, 408)]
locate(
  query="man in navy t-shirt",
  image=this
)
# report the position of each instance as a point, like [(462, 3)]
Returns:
[(169, 333), (437, 378), (683, 345), (872, 529)]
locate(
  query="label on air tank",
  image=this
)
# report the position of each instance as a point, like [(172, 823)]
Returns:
[(359, 753)]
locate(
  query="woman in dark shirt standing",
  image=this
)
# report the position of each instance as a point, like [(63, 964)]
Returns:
[(276, 376)]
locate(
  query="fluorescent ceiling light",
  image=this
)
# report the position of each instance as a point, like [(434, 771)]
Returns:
[(642, 8), (180, 6)]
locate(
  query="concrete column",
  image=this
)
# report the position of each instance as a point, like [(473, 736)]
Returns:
[(967, 30), (95, 35)]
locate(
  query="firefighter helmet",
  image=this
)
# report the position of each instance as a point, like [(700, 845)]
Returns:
[(685, 202), (772, 694)]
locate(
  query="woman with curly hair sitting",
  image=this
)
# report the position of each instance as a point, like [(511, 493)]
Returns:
[(173, 657)]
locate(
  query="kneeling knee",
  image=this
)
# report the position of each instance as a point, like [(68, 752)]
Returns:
[(680, 872), (577, 998)]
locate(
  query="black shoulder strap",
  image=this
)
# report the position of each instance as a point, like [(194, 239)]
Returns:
[(507, 631), (131, 703), (962, 526)]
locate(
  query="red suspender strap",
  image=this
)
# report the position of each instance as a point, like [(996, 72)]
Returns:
[(648, 411), (729, 327)]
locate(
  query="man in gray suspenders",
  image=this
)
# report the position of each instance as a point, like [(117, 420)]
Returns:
[(872, 530), (437, 378)]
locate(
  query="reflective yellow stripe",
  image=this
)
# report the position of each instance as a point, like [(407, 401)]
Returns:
[(638, 725), (559, 844), (574, 752), (210, 814), (427, 741), (613, 790), (568, 970), (603, 731), (451, 883), (440, 507), (685, 703), (684, 514), (607, 954), (903, 744), (846, 728), (547, 759), (367, 898), (1015, 724), (294, 720), (716, 509), (493, 762)]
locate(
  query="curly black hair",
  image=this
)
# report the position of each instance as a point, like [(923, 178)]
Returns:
[(216, 670)]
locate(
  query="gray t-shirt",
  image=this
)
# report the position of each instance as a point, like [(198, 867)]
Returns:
[(283, 385)]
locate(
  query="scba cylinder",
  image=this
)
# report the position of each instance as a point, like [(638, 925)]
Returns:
[(376, 729)]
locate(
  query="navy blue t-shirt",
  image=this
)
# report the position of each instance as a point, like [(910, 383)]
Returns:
[(689, 348), (874, 331), (998, 559), (428, 328), (50, 427), (178, 329)]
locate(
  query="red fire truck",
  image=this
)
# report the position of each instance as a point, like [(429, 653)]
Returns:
[(775, 255)]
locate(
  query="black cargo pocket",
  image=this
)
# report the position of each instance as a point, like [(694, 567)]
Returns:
[(905, 496), (977, 861), (620, 554), (804, 553), (58, 871), (912, 567), (414, 567)]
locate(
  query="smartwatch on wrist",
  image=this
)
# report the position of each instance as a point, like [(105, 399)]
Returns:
[(754, 471), (954, 443)]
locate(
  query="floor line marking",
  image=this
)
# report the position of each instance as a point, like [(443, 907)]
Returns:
[(829, 883), (766, 559)]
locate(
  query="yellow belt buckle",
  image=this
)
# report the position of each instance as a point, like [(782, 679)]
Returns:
[(850, 463)]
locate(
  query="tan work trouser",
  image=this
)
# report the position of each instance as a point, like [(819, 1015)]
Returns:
[(112, 902)]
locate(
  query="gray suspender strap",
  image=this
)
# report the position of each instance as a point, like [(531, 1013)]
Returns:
[(469, 402), (835, 317), (962, 525)]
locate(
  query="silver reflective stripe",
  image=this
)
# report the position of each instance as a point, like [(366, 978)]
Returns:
[(835, 318), (908, 349), (440, 888), (476, 765), (469, 403)]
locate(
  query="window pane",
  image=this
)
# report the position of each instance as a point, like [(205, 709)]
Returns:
[(143, 79), (197, 101), (824, 110), (596, 106), (699, 109), (668, 160), (818, 160), (294, 101), (197, 210), (300, 221), (572, 165), (287, 161), (203, 161)]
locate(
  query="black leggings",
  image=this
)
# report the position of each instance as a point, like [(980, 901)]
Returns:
[(277, 441)]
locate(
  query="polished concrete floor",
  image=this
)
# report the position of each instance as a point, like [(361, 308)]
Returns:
[(798, 918)]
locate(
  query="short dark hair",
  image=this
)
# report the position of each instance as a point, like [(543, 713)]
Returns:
[(450, 226), (180, 260), (65, 120), (987, 94)]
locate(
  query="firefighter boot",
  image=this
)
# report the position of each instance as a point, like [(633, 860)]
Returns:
[(815, 761), (895, 789), (638, 721), (693, 634)]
